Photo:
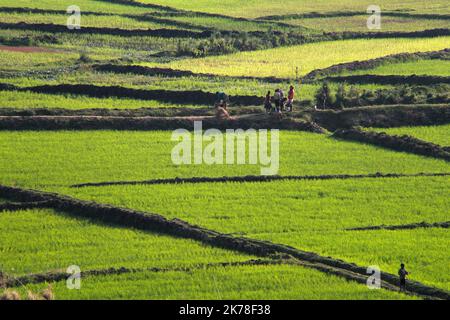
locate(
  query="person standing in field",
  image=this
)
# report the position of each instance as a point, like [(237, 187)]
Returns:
[(282, 99), (402, 273), (268, 103), (277, 99), (290, 102)]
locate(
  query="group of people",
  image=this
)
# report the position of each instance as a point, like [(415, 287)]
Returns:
[(273, 104), (281, 102)]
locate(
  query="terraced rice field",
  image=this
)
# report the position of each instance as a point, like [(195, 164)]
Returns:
[(311, 216), (63, 241), (435, 134), (53, 159), (255, 8), (88, 21), (242, 282), (284, 61), (359, 23), (31, 100), (420, 67), (86, 170)]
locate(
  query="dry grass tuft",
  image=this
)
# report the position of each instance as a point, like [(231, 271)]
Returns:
[(47, 293), (10, 295)]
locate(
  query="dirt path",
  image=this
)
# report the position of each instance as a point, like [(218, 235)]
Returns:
[(179, 228), (27, 49), (257, 179), (149, 123)]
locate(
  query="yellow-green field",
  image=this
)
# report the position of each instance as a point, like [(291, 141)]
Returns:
[(88, 116), (282, 62), (257, 8)]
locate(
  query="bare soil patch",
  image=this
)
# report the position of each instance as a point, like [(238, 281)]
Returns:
[(27, 49)]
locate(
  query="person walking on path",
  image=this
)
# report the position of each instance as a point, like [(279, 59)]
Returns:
[(291, 95), (402, 273)]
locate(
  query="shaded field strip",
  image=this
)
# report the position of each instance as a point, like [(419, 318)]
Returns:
[(419, 225), (173, 73), (383, 116), (399, 143), (156, 17), (51, 11), (178, 97), (164, 18), (372, 63), (171, 11), (138, 112), (153, 123), (257, 179), (390, 79), (58, 28), (55, 276), (139, 17), (336, 14), (180, 33), (429, 33), (16, 206), (179, 228)]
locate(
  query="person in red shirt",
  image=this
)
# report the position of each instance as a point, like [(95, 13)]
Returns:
[(291, 96)]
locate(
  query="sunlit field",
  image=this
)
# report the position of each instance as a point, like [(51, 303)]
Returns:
[(90, 170), (283, 62), (258, 8), (436, 134)]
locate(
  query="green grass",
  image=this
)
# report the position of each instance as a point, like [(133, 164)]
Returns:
[(99, 46), (50, 159), (59, 241), (17, 61), (436, 134), (359, 23), (85, 5), (245, 282), (282, 62), (86, 21), (420, 67), (26, 100), (230, 24), (232, 86), (257, 8), (312, 216)]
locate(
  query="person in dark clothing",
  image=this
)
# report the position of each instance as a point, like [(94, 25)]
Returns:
[(221, 100), (283, 100), (277, 99), (402, 273), (268, 103)]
